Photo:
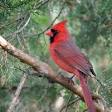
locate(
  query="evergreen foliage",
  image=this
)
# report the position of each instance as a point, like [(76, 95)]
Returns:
[(23, 22)]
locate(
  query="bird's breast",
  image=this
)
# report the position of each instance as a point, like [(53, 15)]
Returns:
[(59, 61)]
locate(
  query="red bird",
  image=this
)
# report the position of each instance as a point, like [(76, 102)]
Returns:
[(68, 56)]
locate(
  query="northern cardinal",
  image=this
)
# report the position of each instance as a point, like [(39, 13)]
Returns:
[(68, 56)]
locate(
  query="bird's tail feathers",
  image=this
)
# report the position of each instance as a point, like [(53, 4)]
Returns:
[(86, 93)]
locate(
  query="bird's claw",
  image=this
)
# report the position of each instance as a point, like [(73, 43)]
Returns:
[(69, 80)]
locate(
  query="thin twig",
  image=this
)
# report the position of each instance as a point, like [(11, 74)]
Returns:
[(28, 16), (17, 93), (12, 22), (53, 20), (30, 35), (101, 83), (68, 102), (41, 3), (71, 103)]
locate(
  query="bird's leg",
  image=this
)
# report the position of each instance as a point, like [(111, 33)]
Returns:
[(70, 80), (71, 77), (67, 79)]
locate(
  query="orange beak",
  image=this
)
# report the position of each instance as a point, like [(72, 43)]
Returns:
[(49, 33)]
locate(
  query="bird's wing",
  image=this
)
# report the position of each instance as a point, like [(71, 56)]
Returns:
[(70, 54)]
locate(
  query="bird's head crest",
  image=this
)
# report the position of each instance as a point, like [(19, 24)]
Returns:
[(60, 26)]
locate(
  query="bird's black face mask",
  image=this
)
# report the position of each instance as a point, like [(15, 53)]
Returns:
[(54, 32)]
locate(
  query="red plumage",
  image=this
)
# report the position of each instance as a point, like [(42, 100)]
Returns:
[(68, 56)]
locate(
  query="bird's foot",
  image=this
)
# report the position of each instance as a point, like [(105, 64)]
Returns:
[(68, 79), (71, 77)]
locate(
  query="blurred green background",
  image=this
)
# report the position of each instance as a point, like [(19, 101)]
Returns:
[(23, 22)]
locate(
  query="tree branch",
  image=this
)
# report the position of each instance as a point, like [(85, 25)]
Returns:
[(17, 93), (44, 68)]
